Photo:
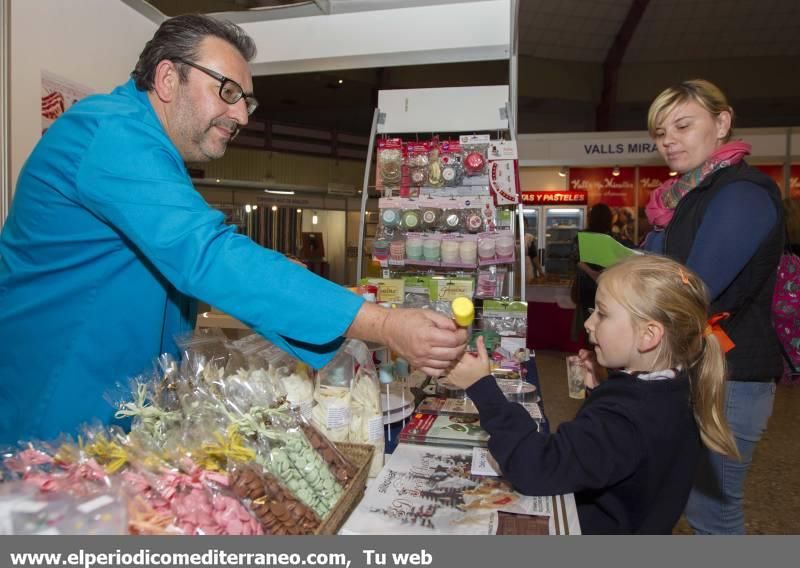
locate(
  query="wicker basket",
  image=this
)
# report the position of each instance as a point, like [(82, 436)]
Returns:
[(361, 456)]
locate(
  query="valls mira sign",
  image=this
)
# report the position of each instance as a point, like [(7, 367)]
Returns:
[(619, 148)]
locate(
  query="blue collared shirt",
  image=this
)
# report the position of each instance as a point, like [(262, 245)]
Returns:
[(104, 250)]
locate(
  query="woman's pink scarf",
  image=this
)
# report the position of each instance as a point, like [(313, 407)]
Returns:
[(665, 197)]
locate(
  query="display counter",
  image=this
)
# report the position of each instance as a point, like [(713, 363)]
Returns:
[(550, 317)]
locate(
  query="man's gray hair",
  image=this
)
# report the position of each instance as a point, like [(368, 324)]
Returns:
[(180, 38)]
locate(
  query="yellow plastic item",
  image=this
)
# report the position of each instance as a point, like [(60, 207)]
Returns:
[(463, 311)]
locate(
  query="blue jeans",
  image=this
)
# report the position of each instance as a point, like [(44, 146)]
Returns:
[(716, 502)]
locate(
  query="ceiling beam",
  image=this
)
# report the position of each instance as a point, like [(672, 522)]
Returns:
[(608, 98)]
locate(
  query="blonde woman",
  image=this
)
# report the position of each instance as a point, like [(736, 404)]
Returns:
[(631, 452), (723, 219)]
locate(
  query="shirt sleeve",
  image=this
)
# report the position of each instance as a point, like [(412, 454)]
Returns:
[(594, 451), (133, 179), (735, 224)]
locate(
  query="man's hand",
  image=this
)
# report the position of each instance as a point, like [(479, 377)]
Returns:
[(429, 340), (426, 339)]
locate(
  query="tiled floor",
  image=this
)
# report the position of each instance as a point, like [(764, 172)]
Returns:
[(772, 491)]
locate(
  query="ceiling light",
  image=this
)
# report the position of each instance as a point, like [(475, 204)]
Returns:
[(255, 207), (314, 218), (248, 208), (673, 174), (299, 210), (217, 180), (274, 207), (279, 192), (341, 81), (615, 171), (563, 171)]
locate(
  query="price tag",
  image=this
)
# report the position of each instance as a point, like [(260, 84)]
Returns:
[(481, 464), (375, 428), (338, 417)]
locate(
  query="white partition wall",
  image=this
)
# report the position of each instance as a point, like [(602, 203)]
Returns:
[(422, 34), (94, 43)]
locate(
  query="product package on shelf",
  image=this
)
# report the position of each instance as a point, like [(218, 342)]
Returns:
[(451, 162), (496, 248), (505, 318), (504, 172), (417, 162), (491, 281), (390, 168), (417, 292), (390, 290), (475, 148)]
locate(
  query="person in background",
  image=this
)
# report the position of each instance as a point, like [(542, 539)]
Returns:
[(631, 452), (533, 268), (584, 287), (723, 219), (107, 244)]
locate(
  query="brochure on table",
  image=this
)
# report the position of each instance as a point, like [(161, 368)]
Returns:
[(431, 490)]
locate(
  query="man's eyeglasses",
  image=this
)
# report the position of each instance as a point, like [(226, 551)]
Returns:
[(229, 90)]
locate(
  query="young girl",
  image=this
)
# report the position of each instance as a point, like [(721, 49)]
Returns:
[(630, 453)]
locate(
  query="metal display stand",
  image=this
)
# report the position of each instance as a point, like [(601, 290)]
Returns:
[(467, 110)]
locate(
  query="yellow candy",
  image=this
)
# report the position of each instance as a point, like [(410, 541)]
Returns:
[(463, 311)]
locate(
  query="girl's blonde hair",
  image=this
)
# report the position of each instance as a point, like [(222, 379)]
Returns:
[(703, 92), (656, 288)]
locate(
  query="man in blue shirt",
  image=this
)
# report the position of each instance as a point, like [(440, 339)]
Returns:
[(107, 244)]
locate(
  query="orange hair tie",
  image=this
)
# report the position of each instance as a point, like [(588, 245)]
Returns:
[(684, 277), (713, 328)]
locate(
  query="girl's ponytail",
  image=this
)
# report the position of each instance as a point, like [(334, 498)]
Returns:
[(708, 393)]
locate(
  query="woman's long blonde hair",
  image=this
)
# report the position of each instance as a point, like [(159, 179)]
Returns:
[(703, 92), (656, 288)]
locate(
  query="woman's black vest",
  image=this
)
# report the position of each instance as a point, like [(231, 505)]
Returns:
[(748, 298)]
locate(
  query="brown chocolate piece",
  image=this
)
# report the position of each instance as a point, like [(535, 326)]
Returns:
[(278, 511), (339, 467)]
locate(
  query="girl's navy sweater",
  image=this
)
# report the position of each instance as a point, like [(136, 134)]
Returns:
[(629, 456)]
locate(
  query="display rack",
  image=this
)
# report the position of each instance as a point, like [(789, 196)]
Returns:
[(458, 110)]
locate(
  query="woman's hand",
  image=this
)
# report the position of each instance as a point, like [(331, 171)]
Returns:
[(471, 368)]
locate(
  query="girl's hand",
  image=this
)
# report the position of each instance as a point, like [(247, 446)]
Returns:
[(595, 374), (471, 368)]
